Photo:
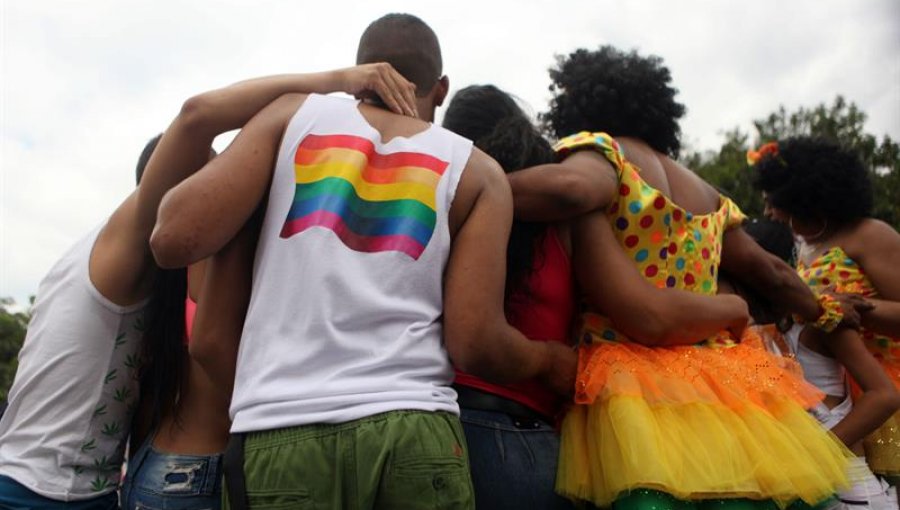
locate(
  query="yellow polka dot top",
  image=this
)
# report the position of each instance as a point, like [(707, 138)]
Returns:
[(671, 246)]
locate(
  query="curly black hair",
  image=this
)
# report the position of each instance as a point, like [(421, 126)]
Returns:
[(493, 120), (816, 179), (623, 94)]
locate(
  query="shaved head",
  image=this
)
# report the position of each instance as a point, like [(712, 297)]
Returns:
[(408, 44)]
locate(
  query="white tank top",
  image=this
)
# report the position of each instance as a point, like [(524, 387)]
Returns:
[(824, 373), (345, 313), (821, 371), (70, 406)]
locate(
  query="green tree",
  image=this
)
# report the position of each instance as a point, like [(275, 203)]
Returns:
[(841, 121), (12, 333)]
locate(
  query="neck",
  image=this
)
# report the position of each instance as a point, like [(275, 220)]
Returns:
[(815, 233), (425, 108), (423, 105)]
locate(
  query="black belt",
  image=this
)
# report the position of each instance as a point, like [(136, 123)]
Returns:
[(471, 398)]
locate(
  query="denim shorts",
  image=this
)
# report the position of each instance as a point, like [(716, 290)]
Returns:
[(167, 481)]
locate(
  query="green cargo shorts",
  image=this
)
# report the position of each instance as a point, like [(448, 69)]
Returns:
[(396, 460)]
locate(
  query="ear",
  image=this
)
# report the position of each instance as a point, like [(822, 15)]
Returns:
[(440, 90)]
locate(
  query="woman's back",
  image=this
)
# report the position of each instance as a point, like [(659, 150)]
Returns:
[(675, 181)]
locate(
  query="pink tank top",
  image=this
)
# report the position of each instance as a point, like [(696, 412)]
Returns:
[(190, 308), (544, 313)]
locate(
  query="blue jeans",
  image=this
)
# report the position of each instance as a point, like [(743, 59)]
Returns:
[(164, 481), (513, 461), (15, 496)]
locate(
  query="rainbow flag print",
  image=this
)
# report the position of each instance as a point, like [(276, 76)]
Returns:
[(373, 202)]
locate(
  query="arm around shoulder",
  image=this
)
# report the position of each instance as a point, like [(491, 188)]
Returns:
[(582, 182), (200, 215), (477, 335), (745, 260), (649, 315)]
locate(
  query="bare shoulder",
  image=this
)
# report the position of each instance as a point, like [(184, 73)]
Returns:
[(481, 177), (871, 229), (871, 236), (282, 109)]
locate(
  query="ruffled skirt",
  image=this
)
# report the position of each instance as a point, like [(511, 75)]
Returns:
[(722, 420)]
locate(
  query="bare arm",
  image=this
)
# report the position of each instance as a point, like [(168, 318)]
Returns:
[(478, 337), (222, 307), (883, 318), (879, 256), (121, 262), (200, 215), (582, 182), (879, 399), (648, 315), (744, 260)]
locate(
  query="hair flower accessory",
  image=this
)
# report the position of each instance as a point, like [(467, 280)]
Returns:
[(768, 149)]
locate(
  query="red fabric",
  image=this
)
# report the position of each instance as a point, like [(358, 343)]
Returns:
[(190, 308), (544, 313)]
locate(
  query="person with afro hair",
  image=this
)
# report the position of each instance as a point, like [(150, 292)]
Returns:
[(670, 423), (513, 443), (823, 192)]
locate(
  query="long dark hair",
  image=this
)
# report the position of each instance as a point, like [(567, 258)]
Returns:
[(163, 352), (494, 121)]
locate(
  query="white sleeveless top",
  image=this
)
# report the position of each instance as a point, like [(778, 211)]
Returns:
[(70, 406), (824, 373), (345, 313)]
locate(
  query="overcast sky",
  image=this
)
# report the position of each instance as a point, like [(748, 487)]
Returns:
[(83, 84)]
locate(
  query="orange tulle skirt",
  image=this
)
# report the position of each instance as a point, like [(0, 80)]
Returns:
[(721, 420)]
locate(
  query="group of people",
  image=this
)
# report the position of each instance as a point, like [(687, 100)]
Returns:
[(351, 307)]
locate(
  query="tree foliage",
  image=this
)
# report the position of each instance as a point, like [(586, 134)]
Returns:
[(841, 121), (12, 333)]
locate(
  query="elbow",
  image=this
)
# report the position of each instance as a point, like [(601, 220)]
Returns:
[(201, 349), (652, 328), (579, 195), (891, 401), (460, 349), (166, 252), (171, 243), (195, 112), (169, 249), (467, 353)]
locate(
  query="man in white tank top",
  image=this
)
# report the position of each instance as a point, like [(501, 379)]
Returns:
[(62, 438), (381, 252)]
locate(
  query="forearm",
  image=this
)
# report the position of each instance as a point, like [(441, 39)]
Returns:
[(779, 283), (228, 108), (501, 355), (884, 318), (186, 145), (870, 410), (696, 317), (677, 317), (879, 398), (548, 193)]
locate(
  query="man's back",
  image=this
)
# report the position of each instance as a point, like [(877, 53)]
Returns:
[(344, 318)]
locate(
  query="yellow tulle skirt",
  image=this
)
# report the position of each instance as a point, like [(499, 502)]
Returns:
[(723, 420)]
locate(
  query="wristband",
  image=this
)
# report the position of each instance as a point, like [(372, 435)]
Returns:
[(832, 313)]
